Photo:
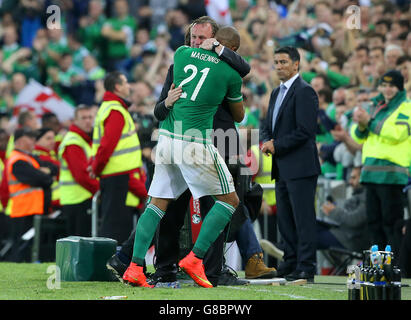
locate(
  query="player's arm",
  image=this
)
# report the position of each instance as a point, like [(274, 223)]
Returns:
[(234, 97), (232, 58), (237, 110)]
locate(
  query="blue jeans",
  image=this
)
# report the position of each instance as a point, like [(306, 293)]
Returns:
[(247, 242)]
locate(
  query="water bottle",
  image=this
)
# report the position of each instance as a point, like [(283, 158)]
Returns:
[(353, 283), (388, 255), (375, 257)]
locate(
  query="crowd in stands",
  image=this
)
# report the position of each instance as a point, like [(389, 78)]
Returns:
[(343, 56)]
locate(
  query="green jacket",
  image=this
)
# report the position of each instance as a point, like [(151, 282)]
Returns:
[(386, 153)]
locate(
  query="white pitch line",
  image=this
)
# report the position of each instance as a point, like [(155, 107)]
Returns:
[(280, 294)]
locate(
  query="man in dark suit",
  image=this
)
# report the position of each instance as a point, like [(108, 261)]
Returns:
[(288, 133)]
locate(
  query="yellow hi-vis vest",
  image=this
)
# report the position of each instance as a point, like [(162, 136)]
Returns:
[(386, 152), (127, 154), (70, 191), (264, 174)]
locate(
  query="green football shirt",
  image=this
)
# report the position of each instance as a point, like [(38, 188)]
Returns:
[(205, 80)]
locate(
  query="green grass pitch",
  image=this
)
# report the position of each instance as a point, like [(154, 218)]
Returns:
[(31, 281)]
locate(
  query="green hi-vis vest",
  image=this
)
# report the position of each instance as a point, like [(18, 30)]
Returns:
[(127, 154), (70, 191), (264, 174), (386, 153)]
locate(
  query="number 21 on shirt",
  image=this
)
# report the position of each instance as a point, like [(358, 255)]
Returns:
[(200, 83)]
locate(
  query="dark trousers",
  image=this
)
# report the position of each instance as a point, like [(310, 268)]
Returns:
[(384, 205), (326, 239), (270, 236), (116, 217), (405, 251), (78, 218), (297, 222), (21, 249)]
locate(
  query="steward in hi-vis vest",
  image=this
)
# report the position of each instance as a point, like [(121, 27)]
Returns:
[(29, 181), (76, 186), (117, 156), (386, 157)]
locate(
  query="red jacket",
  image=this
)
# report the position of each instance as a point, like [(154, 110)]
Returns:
[(45, 155), (77, 162), (113, 127)]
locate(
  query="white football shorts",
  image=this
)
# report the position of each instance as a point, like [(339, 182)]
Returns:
[(182, 164)]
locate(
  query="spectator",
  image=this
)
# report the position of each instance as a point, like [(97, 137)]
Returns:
[(377, 64), (176, 22), (87, 88), (39, 53), (10, 41), (320, 82), (31, 20), (64, 78), (142, 43), (77, 50), (92, 69), (404, 66), (56, 46), (89, 31), (375, 40), (44, 150), (25, 119), (361, 54), (11, 92), (391, 54), (349, 220), (383, 26), (119, 34)]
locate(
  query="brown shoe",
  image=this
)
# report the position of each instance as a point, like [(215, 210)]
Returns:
[(256, 268)]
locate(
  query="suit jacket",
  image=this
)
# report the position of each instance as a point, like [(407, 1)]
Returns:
[(295, 150)]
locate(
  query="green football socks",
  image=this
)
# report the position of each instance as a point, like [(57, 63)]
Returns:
[(145, 230), (214, 223)]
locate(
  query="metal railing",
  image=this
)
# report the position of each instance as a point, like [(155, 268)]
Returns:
[(94, 213)]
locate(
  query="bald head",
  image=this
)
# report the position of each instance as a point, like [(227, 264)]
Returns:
[(229, 37)]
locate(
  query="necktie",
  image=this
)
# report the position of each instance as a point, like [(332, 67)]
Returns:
[(277, 105)]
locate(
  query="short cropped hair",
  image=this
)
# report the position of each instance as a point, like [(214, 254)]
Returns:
[(111, 80), (291, 51)]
